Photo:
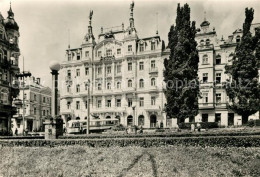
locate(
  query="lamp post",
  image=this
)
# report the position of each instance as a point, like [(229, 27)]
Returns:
[(88, 102), (22, 75), (55, 67)]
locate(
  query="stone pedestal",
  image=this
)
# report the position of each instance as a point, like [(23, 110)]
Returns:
[(53, 128)]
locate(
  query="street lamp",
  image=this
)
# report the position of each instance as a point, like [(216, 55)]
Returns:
[(88, 85), (22, 75), (55, 67)]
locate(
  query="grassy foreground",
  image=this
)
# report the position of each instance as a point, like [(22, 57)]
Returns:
[(129, 161)]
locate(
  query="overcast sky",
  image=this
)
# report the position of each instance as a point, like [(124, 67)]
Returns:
[(44, 24)]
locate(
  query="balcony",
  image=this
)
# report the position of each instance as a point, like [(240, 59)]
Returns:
[(153, 70), (206, 106), (67, 111), (129, 89), (206, 47), (221, 105)]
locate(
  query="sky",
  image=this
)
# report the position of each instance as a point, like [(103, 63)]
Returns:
[(45, 25)]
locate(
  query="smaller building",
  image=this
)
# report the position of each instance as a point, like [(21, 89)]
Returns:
[(37, 105)]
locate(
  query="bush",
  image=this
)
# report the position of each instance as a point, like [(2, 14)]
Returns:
[(252, 123), (204, 125), (119, 127), (239, 141)]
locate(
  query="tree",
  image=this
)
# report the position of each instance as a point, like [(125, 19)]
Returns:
[(181, 69), (243, 89)]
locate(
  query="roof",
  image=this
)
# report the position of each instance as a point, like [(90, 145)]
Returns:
[(238, 31), (148, 38), (205, 23)]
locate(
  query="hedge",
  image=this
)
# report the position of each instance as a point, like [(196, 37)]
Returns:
[(21, 137), (221, 141), (204, 125), (160, 135), (252, 123)]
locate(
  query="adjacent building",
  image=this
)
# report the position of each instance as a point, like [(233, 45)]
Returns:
[(37, 105), (214, 54), (9, 55), (125, 73)]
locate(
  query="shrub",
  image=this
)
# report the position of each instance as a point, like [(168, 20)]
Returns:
[(252, 123), (119, 127)]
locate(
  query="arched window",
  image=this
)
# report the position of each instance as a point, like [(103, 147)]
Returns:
[(153, 82), (130, 83), (205, 59), (141, 120), (238, 39), (109, 86), (99, 86), (202, 42), (118, 85), (207, 42), (218, 59), (141, 83)]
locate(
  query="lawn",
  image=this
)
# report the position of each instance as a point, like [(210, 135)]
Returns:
[(129, 161)]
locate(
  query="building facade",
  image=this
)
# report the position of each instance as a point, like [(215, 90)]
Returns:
[(37, 105), (214, 54), (9, 55), (125, 74)]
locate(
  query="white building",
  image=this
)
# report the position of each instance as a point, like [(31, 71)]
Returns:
[(126, 75), (37, 105)]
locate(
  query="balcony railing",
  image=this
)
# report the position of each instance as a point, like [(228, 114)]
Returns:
[(153, 70), (206, 47)]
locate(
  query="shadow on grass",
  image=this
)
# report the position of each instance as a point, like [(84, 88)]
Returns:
[(135, 161)]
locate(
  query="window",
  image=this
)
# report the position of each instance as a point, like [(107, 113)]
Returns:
[(205, 117), (129, 48), (99, 53), (18, 123), (77, 72), (141, 102), (129, 83), (218, 78), (205, 59), (69, 73), (202, 42), (205, 77), (68, 105), (78, 88), (25, 96), (109, 52), (118, 85), (118, 102), (153, 64), (99, 87), (129, 66), (238, 39), (78, 56), (99, 70), (130, 102), (109, 86), (218, 117), (205, 97), (207, 42), (141, 47), (68, 89), (86, 104), (218, 97), (109, 70), (77, 105), (118, 68), (109, 103), (152, 100), (218, 60), (118, 51), (34, 111), (47, 112), (69, 57), (141, 65), (152, 45), (86, 71), (43, 100), (99, 103), (87, 54), (141, 83), (43, 112), (153, 82), (35, 97)]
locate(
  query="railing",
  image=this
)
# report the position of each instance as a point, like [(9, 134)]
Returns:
[(153, 70), (205, 47)]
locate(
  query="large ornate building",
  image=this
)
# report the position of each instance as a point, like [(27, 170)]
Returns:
[(9, 54), (214, 54), (126, 76)]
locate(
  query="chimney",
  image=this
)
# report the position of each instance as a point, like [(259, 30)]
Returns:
[(38, 80)]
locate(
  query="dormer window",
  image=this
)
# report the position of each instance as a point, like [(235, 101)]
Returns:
[(69, 57), (109, 52), (118, 51), (87, 54), (202, 42), (152, 45), (218, 60), (78, 56), (207, 42), (238, 39), (129, 48), (141, 47), (205, 59), (99, 53)]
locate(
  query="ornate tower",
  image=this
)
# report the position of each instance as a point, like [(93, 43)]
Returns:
[(89, 37), (131, 19)]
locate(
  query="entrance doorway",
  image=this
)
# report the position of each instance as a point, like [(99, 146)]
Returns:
[(130, 120), (30, 125), (230, 119), (153, 121), (141, 120)]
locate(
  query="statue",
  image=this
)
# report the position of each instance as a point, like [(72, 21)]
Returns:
[(132, 5), (90, 14)]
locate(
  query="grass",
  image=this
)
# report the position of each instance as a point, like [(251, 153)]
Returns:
[(129, 161)]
